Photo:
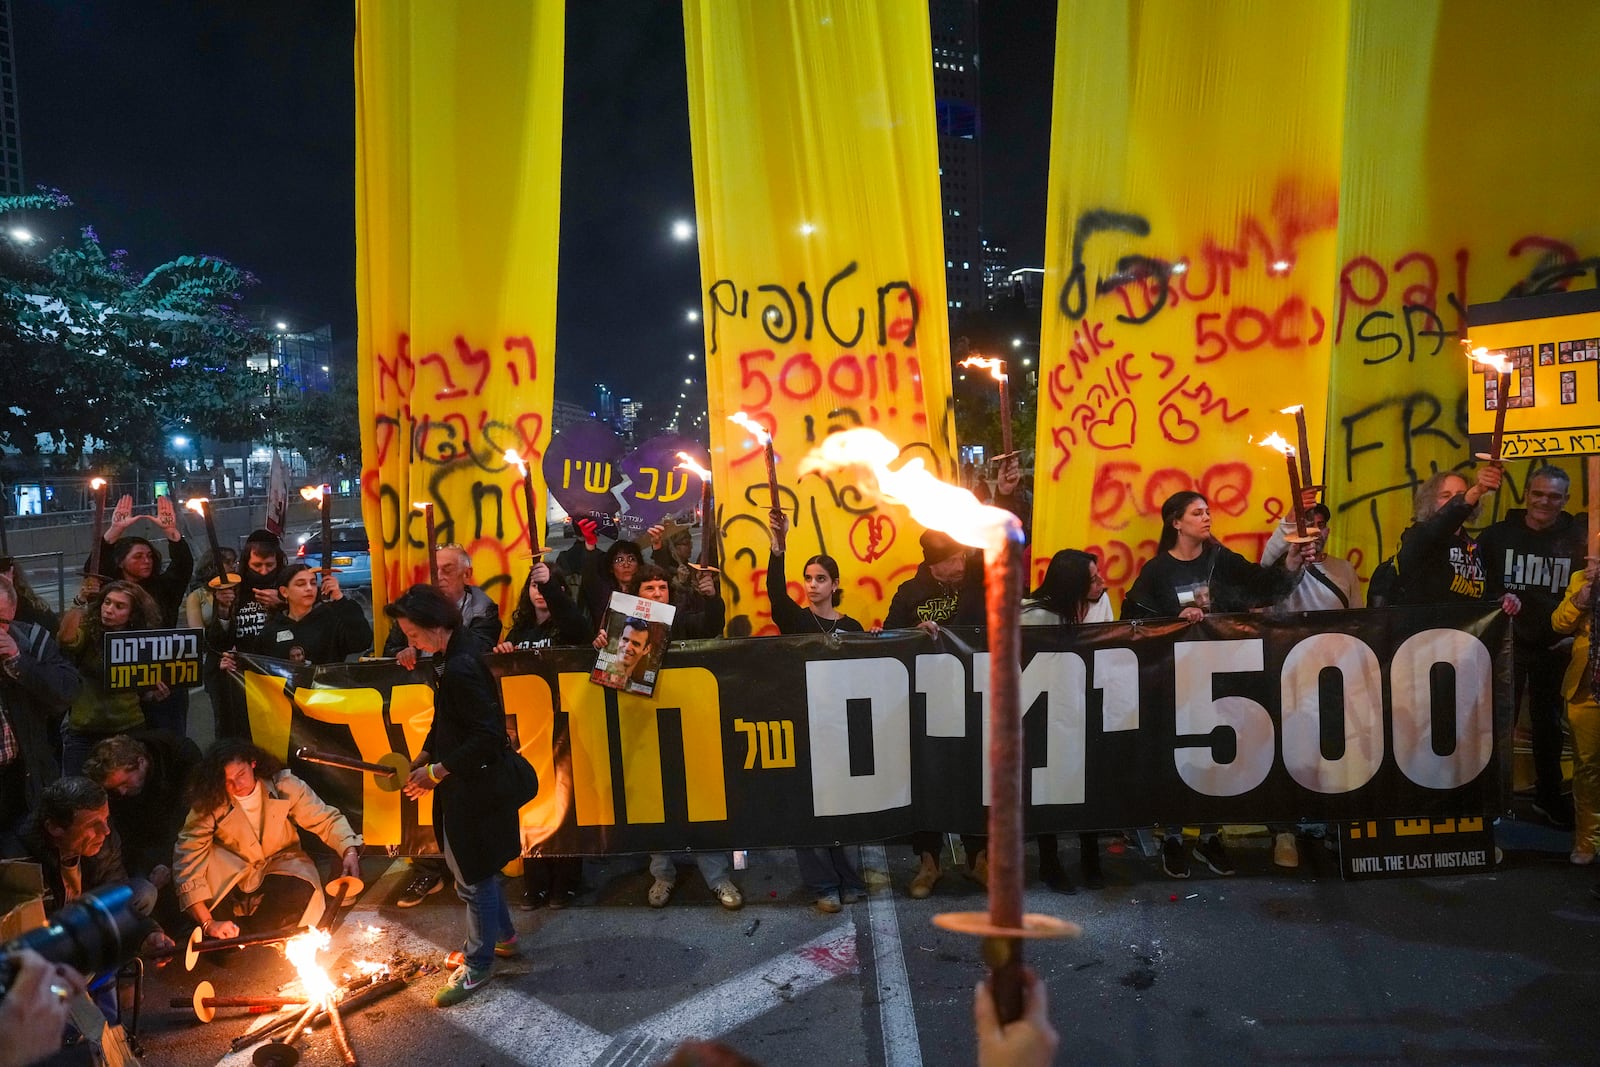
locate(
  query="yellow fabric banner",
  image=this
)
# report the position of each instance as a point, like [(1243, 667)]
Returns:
[(1471, 156), (458, 167), (821, 258), (1190, 243)]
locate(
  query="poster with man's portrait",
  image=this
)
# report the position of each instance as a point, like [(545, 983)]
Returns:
[(636, 632)]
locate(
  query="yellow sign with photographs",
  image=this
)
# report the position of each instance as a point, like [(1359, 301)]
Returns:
[(1545, 352)]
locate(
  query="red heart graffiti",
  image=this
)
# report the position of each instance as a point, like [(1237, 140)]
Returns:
[(1178, 427), (878, 531), (1114, 431)]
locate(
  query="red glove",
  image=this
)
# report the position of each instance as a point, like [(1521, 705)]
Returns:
[(589, 530)]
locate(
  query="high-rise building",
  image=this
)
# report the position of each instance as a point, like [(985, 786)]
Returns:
[(11, 183), (954, 28), (996, 271)]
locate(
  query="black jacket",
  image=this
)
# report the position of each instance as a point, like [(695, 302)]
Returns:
[(921, 598), (37, 694), (330, 631), (567, 624), (790, 617), (1534, 564), (148, 823), (103, 868), (1438, 563), (167, 585), (1231, 582), (468, 737), (481, 615)]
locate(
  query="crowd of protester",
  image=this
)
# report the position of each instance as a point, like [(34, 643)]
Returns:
[(102, 785)]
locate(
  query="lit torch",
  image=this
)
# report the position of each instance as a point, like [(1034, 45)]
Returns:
[(864, 455), (1502, 369), (97, 486), (323, 495), (426, 507), (535, 538), (1276, 441), (1299, 413), (997, 368), (686, 462), (201, 506), (765, 438)]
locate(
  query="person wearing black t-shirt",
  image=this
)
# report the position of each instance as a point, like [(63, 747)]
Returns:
[(1191, 576), (828, 872)]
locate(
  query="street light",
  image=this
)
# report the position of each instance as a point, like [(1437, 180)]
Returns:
[(692, 315), (180, 441), (1016, 342), (283, 327), (682, 230), (22, 235), (691, 357)]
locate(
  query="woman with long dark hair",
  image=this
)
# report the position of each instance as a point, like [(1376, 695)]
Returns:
[(1192, 575), (238, 862), (1071, 593), (98, 711), (827, 871), (478, 833)]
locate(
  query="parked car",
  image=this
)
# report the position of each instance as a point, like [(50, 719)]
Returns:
[(352, 553)]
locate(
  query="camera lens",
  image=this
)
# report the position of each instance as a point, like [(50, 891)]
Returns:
[(97, 932)]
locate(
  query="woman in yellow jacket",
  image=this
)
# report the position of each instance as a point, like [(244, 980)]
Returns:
[(1574, 615)]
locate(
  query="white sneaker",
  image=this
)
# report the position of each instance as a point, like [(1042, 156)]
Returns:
[(728, 895), (660, 893), (1582, 857), (1285, 852)]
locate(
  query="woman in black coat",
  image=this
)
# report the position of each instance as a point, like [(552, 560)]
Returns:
[(477, 834)]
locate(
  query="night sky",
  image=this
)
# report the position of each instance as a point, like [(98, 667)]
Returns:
[(197, 127)]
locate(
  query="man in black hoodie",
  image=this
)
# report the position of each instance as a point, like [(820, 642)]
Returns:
[(239, 618), (1532, 554)]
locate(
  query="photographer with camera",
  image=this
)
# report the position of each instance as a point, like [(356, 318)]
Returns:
[(71, 838)]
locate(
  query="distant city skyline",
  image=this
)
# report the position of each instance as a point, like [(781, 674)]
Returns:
[(243, 147)]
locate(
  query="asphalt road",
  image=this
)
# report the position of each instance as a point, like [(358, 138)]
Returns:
[(1267, 967)]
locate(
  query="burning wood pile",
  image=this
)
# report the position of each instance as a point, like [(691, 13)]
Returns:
[(313, 999)]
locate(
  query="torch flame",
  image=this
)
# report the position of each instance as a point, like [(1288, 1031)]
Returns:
[(762, 436), (866, 454), (1275, 440), (686, 463), (302, 952), (97, 483), (1291, 410), (311, 492), (196, 504), (513, 457), (422, 505), (371, 967), (1482, 355), (996, 367)]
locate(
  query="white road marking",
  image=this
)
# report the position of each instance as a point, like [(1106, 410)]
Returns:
[(901, 1045), (524, 1029)]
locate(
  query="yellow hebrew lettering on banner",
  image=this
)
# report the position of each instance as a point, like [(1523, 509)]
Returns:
[(528, 700), (269, 710), (694, 694), (1189, 261), (585, 705), (361, 710), (821, 258), (411, 708), (1469, 176), (458, 165)]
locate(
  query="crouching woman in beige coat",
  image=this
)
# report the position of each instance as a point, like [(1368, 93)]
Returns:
[(238, 862)]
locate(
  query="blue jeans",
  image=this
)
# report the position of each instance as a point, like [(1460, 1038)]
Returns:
[(487, 914), (828, 870)]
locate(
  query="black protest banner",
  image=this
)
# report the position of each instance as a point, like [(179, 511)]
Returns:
[(141, 659), (765, 742)]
